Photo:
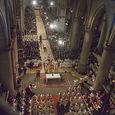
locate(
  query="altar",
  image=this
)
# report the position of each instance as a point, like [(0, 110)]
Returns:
[(52, 76)]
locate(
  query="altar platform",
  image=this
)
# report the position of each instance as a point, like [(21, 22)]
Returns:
[(53, 76)]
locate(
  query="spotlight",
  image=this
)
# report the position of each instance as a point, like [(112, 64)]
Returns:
[(66, 23), (52, 26), (34, 2), (60, 42), (46, 18), (71, 11), (82, 17), (47, 23), (51, 3)]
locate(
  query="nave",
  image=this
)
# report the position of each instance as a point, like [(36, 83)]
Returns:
[(56, 58), (72, 95)]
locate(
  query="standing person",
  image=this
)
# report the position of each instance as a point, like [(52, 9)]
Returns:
[(55, 63), (24, 69), (2, 90), (20, 71), (37, 75), (40, 37)]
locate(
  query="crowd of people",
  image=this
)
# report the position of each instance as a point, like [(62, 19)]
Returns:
[(74, 101), (30, 21), (21, 102), (31, 50), (42, 105), (25, 102), (68, 63), (50, 65), (62, 51), (78, 102)]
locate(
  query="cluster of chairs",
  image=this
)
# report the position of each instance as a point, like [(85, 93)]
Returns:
[(30, 21), (31, 50), (42, 105)]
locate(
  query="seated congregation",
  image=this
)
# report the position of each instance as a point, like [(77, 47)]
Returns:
[(75, 101)]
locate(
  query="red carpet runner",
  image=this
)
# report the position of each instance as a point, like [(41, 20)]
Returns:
[(54, 101)]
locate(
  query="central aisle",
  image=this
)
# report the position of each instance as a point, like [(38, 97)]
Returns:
[(41, 31)]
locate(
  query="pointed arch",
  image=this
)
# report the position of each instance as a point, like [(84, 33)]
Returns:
[(3, 28), (100, 10), (11, 13)]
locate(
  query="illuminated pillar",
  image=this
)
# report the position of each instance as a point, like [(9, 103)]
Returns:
[(82, 67), (14, 54), (104, 68), (102, 35), (76, 30)]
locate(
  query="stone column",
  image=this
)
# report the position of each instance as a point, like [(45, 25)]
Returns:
[(14, 55), (14, 38), (82, 67), (22, 15), (6, 74), (78, 13), (75, 36), (102, 35), (58, 8), (62, 19), (107, 59)]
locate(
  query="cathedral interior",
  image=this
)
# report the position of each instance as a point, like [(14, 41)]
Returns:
[(57, 57)]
